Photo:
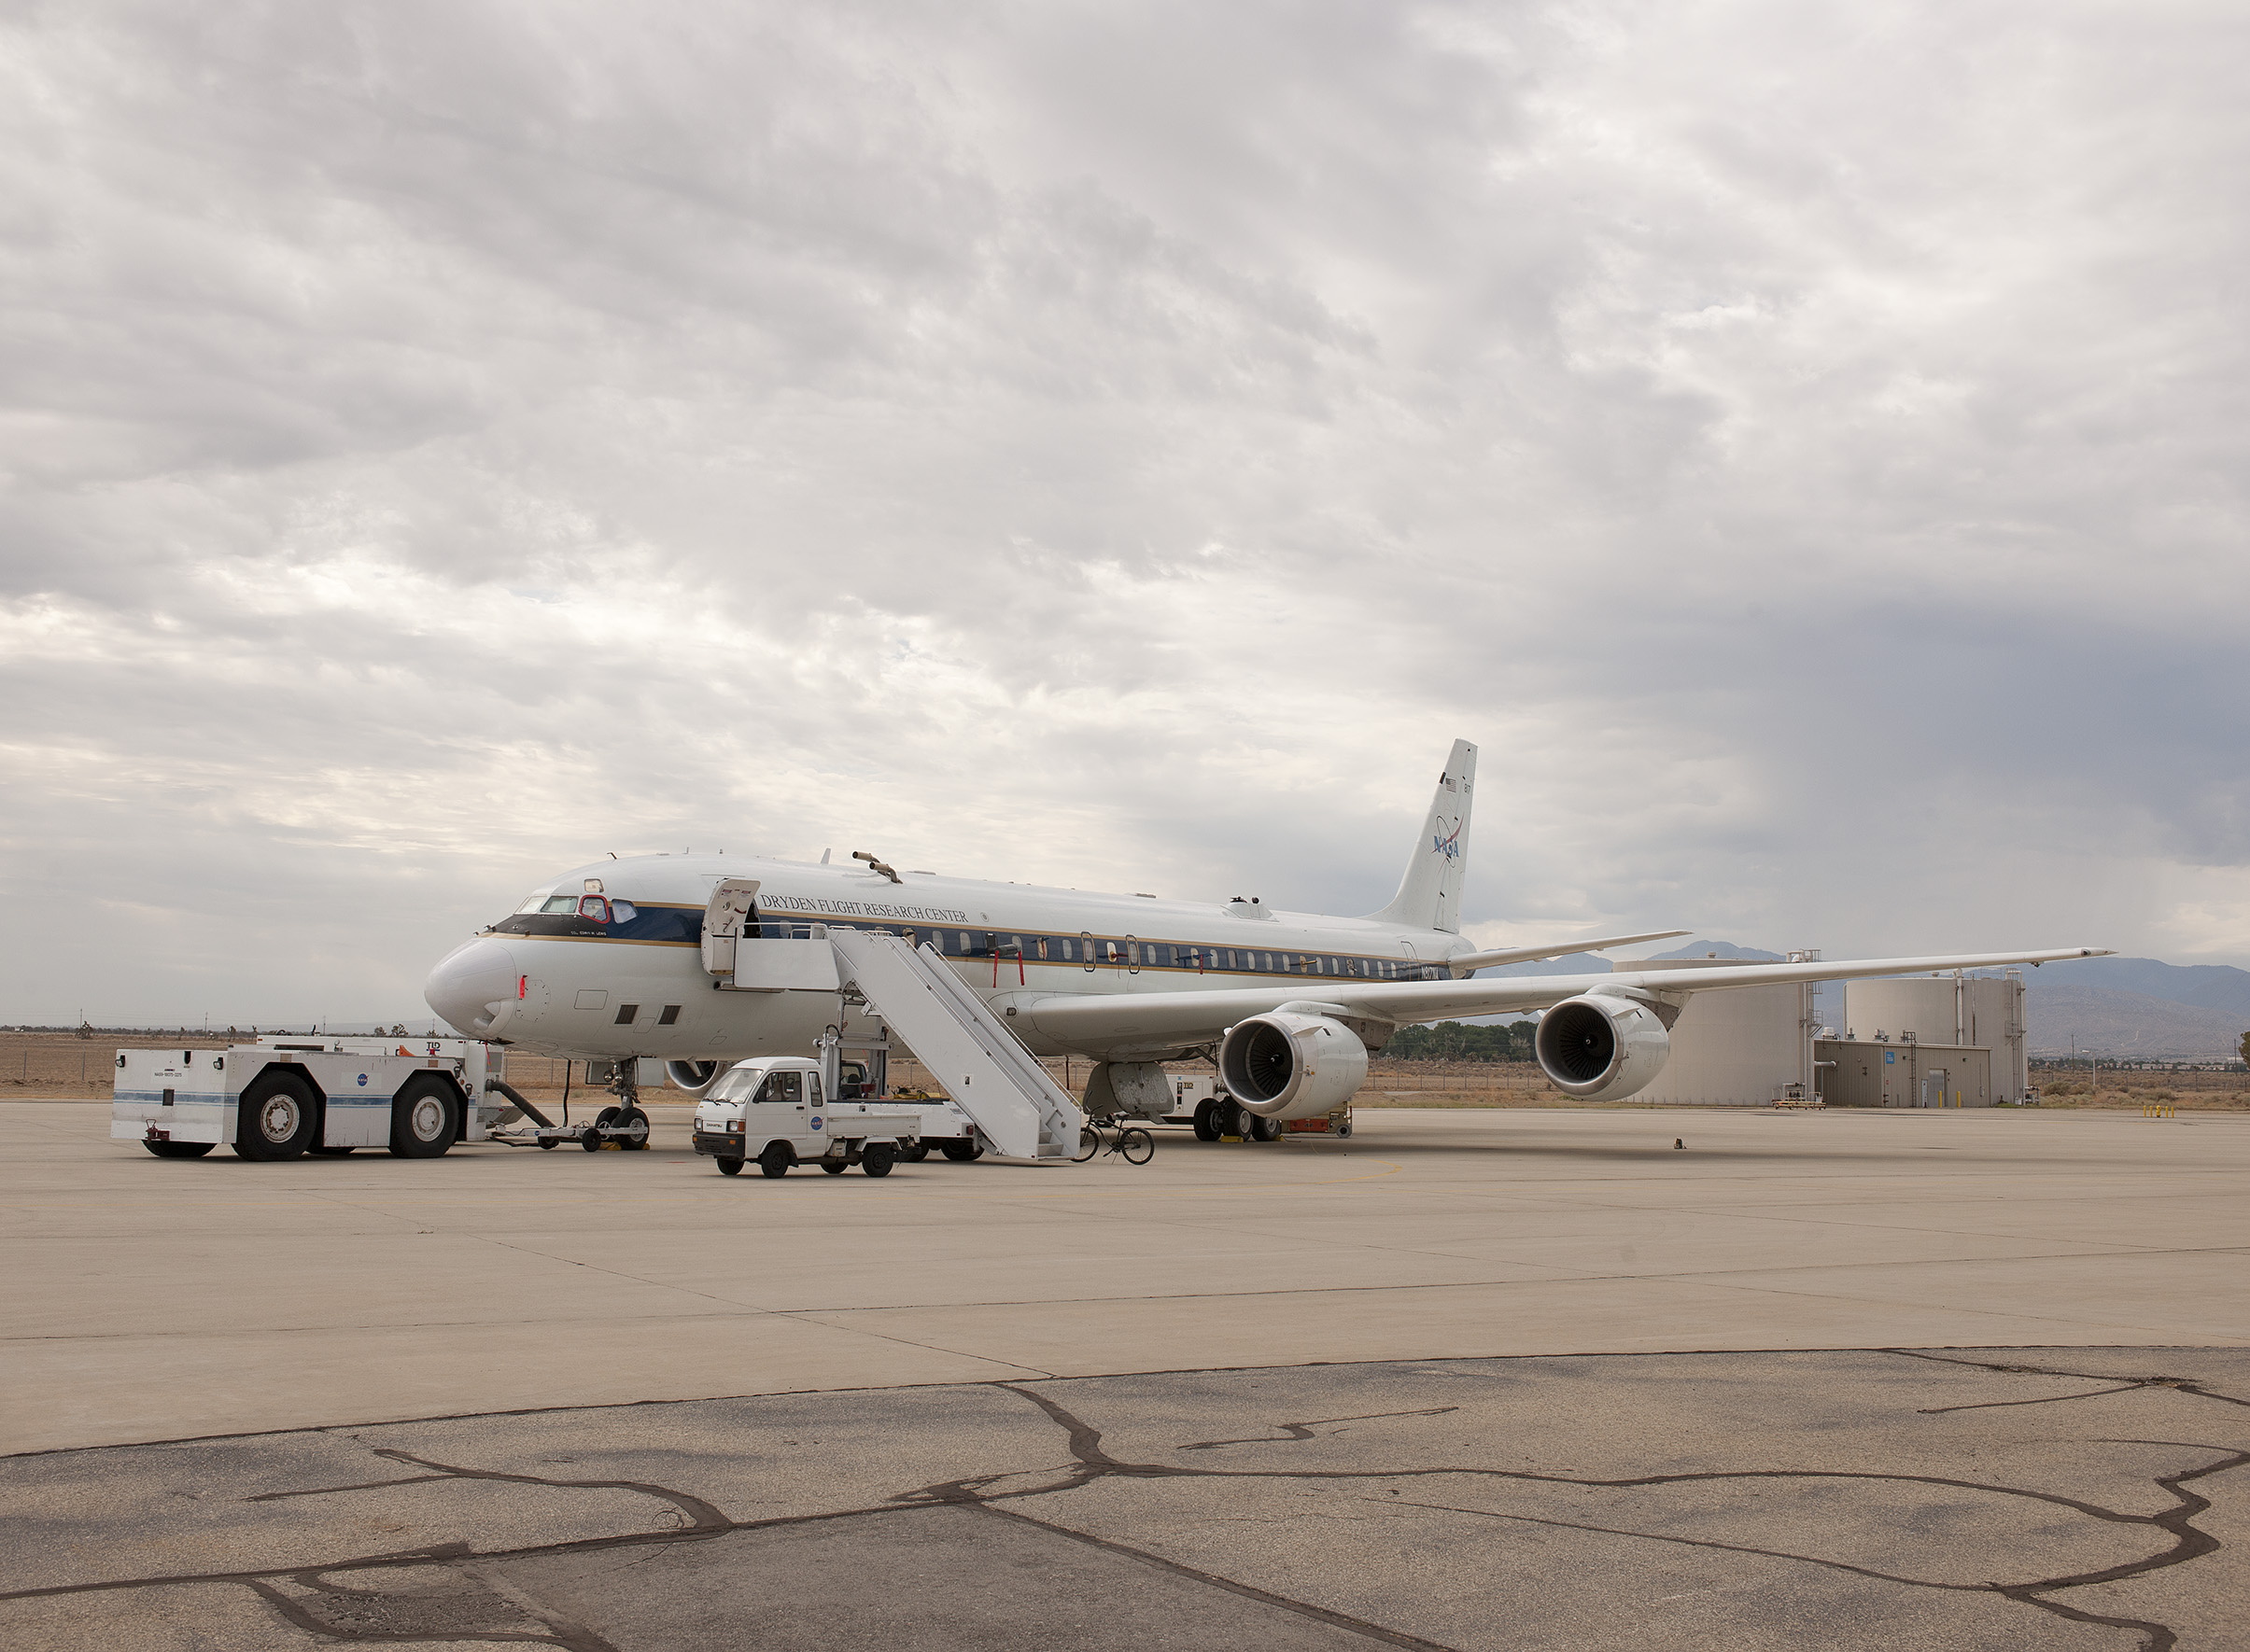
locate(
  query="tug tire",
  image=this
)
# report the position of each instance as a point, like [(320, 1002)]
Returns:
[(422, 1119), (278, 1119)]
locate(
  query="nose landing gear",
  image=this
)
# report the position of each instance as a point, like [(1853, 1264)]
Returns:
[(624, 1124)]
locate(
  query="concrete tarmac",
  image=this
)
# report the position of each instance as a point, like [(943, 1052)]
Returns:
[(1471, 1379)]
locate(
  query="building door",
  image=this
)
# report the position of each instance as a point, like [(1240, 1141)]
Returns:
[(1934, 1087)]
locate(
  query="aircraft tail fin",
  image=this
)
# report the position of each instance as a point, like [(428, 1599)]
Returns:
[(1429, 895)]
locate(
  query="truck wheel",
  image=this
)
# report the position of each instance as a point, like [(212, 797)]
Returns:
[(421, 1117), (276, 1118), (835, 1166), (963, 1153), (874, 1158), (179, 1149), (776, 1160), (1206, 1121), (916, 1154), (730, 1167), (594, 1141)]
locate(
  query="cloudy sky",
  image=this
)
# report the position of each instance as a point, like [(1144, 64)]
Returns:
[(1121, 447)]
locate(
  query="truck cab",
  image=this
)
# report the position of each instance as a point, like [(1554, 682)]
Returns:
[(773, 1108)]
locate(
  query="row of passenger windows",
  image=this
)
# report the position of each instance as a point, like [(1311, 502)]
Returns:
[(1093, 952)]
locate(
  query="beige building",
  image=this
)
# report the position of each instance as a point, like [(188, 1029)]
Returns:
[(1964, 1012), (1863, 1072)]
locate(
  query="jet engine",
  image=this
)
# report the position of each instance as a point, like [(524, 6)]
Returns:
[(1601, 1047), (695, 1077), (1284, 1065)]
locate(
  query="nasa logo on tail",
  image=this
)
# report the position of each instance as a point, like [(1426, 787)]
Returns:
[(1450, 845)]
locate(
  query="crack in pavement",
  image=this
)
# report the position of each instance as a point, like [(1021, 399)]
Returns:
[(1303, 1431), (1091, 1461)]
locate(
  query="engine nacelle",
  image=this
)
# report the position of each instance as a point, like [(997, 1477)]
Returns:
[(695, 1077), (1600, 1047), (1284, 1065)]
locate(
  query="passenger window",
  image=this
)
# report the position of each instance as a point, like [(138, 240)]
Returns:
[(812, 1086)]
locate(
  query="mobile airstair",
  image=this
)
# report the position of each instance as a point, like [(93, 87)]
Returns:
[(982, 1065)]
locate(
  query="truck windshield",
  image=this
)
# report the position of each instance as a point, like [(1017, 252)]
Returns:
[(737, 1085)]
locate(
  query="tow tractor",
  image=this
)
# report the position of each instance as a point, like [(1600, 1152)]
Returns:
[(279, 1096), (282, 1097), (775, 1110)]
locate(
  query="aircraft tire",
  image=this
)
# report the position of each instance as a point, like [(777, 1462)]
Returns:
[(626, 1115), (775, 1161), (874, 1158), (730, 1167), (424, 1120), (278, 1118), (1263, 1129), (179, 1149), (1206, 1121)]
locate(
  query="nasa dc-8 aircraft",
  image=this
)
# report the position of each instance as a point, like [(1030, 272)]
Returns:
[(610, 960)]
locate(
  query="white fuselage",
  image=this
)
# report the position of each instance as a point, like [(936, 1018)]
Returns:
[(553, 982)]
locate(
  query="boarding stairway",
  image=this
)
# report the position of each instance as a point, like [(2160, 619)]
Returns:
[(982, 1065)]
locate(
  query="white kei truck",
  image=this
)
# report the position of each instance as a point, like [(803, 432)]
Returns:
[(280, 1097), (775, 1109)]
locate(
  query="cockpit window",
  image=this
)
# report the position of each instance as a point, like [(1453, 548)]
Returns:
[(537, 900), (595, 909), (623, 911), (557, 904)]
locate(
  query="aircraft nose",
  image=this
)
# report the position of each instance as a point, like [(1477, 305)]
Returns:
[(470, 984)]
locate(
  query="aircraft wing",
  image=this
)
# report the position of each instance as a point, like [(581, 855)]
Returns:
[(1462, 963), (1130, 1023)]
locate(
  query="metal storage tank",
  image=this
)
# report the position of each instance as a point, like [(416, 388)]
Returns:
[(1967, 1011), (1741, 1047)]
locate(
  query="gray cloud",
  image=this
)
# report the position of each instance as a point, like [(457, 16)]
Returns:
[(1116, 447)]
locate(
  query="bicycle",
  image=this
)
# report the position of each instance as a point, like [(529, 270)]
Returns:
[(1134, 1144)]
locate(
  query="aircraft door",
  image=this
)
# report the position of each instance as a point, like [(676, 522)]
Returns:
[(731, 913)]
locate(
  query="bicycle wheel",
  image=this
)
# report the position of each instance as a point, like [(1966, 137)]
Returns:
[(1090, 1144), (1136, 1144)]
